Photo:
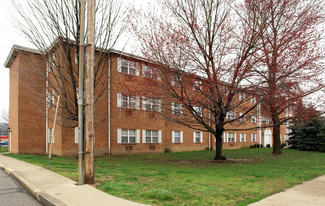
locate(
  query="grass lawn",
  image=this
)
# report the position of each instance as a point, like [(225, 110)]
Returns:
[(3, 149), (191, 178)]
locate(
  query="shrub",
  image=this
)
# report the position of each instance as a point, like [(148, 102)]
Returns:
[(268, 145), (283, 145), (206, 149), (307, 136)]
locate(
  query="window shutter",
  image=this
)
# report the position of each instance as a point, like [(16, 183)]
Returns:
[(181, 137), (159, 107), (137, 136), (235, 136), (173, 137), (144, 102), (119, 134), (201, 137), (143, 136), (119, 100), (224, 137), (245, 137), (194, 137), (119, 64), (181, 108), (159, 136), (53, 97), (76, 135), (137, 102), (173, 108), (227, 137)]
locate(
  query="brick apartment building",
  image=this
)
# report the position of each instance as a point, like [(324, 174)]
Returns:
[(127, 121)]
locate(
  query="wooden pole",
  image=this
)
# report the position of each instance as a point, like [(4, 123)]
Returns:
[(81, 95), (52, 134), (89, 92)]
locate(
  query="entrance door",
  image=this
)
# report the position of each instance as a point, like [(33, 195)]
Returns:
[(267, 137)]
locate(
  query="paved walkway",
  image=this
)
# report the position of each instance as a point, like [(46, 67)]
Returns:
[(53, 189), (310, 193)]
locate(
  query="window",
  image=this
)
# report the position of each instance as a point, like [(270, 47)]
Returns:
[(231, 137), (176, 81), (197, 137), (128, 136), (253, 100), (177, 137), (243, 119), (263, 119), (253, 119), (76, 135), (128, 101), (128, 67), (176, 108), (198, 111), (151, 136), (242, 137), (269, 120), (286, 137), (150, 72), (253, 137), (151, 104), (197, 85), (231, 115), (241, 96)]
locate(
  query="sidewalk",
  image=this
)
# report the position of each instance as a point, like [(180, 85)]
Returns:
[(311, 193), (53, 189)]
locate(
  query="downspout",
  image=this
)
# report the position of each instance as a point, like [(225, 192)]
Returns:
[(259, 124), (109, 105), (9, 140), (209, 132), (47, 109)]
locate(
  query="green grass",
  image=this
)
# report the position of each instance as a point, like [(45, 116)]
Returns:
[(191, 178), (3, 149)]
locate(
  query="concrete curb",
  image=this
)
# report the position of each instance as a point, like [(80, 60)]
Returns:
[(36, 192)]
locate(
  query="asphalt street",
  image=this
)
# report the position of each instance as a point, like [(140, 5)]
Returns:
[(13, 194)]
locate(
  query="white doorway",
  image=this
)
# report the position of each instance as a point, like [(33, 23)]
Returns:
[(267, 137)]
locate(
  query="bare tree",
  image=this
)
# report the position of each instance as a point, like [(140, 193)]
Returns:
[(53, 27), (291, 62), (204, 49)]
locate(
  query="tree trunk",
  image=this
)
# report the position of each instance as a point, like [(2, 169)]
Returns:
[(218, 138), (276, 136)]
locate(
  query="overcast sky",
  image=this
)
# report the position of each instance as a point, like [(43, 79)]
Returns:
[(10, 36)]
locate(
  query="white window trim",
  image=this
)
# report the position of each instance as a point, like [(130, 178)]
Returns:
[(253, 119), (119, 137), (119, 101), (234, 136), (252, 136), (144, 140), (150, 101), (241, 96), (194, 137), (197, 85), (119, 66), (198, 110), (173, 108), (181, 137), (242, 134), (146, 68)]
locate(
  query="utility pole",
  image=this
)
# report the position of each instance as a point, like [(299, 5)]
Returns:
[(89, 91), (81, 94)]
